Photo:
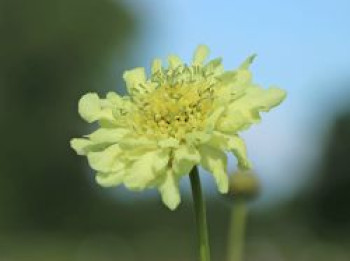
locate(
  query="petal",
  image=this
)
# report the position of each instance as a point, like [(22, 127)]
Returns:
[(111, 135), (200, 54), (169, 190), (145, 170), (237, 146), (232, 143), (244, 111), (227, 77), (213, 118), (235, 121), (135, 81), (215, 161), (231, 86), (235, 81), (80, 145), (168, 143), (130, 143), (274, 96), (110, 179), (108, 160), (174, 61), (106, 118), (264, 99), (114, 98), (156, 66), (214, 67), (245, 65), (197, 137), (185, 157), (89, 107)]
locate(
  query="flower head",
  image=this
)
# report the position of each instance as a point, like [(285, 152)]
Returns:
[(181, 116)]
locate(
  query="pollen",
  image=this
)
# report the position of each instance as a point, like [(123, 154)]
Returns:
[(173, 110)]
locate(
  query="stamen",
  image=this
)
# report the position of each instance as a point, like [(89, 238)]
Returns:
[(174, 110)]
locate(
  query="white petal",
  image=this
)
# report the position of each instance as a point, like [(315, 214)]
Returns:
[(214, 117), (108, 135), (156, 66), (200, 54), (169, 190), (135, 81), (232, 143), (168, 143), (174, 61), (245, 111), (185, 158), (89, 107), (197, 138), (110, 179), (80, 145), (145, 171), (245, 65), (237, 146), (215, 161), (108, 160)]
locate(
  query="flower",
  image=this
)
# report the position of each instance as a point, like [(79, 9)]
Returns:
[(179, 117)]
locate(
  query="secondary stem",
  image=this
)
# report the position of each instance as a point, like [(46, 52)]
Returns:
[(200, 215), (237, 231)]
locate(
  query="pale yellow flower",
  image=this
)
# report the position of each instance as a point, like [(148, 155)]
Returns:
[(179, 117)]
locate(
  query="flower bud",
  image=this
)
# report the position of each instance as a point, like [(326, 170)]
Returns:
[(244, 184)]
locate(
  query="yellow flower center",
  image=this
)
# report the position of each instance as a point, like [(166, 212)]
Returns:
[(173, 111)]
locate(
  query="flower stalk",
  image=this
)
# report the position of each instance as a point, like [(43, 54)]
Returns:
[(237, 230), (200, 215), (244, 186)]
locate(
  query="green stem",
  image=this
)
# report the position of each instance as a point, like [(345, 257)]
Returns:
[(200, 215), (237, 231)]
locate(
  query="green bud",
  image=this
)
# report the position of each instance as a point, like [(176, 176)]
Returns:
[(244, 184)]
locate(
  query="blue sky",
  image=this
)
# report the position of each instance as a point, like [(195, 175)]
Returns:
[(302, 46)]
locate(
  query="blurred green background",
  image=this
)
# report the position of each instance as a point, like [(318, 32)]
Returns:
[(52, 52)]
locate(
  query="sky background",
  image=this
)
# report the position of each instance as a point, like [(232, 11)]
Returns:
[(302, 46)]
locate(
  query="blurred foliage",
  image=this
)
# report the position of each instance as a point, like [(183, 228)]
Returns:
[(51, 52), (328, 208)]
